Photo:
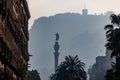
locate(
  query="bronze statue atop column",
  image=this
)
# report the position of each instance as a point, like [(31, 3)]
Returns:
[(56, 53)]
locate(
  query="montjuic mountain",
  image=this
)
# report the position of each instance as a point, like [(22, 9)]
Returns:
[(80, 34)]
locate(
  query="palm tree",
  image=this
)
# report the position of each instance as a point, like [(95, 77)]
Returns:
[(70, 69), (113, 41)]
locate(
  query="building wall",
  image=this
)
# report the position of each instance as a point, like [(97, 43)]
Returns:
[(98, 70), (14, 38)]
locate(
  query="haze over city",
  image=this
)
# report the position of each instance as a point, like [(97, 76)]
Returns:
[(59, 40), (76, 39), (80, 34)]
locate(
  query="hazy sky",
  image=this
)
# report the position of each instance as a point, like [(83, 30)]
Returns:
[(40, 8)]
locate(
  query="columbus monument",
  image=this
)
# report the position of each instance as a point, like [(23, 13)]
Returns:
[(56, 48)]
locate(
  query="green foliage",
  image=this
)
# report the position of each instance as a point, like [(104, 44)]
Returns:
[(33, 75), (113, 44), (112, 75), (113, 35), (70, 69), (4, 39)]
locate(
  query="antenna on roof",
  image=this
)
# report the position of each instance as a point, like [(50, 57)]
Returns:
[(84, 6)]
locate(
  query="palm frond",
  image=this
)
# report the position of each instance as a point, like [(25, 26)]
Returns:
[(69, 69), (109, 26), (114, 19)]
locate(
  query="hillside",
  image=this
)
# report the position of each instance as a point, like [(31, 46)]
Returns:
[(83, 35)]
